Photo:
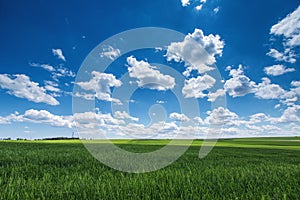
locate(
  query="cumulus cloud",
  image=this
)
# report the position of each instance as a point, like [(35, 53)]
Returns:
[(21, 86), (212, 96), (198, 120), (44, 116), (258, 118), (239, 84), (40, 117), (178, 117), (295, 83), (290, 114), (287, 56), (269, 128), (185, 3), (149, 76), (267, 90), (90, 124), (289, 29), (100, 84), (296, 87), (277, 70), (4, 120), (91, 120), (231, 125), (221, 116), (291, 97), (125, 115), (59, 54), (110, 53), (194, 87), (197, 51)]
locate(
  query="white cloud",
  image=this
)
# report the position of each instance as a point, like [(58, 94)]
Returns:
[(234, 127), (65, 72), (212, 96), (258, 118), (287, 56), (296, 87), (40, 117), (277, 105), (125, 115), (216, 10), (94, 120), (289, 27), (56, 72), (110, 53), (4, 120), (199, 7), (200, 3), (52, 88), (44, 66), (100, 83), (269, 128), (51, 83), (199, 120), (221, 116), (44, 116), (194, 87), (295, 83), (178, 117), (90, 124), (197, 51), (239, 84), (59, 54), (185, 3), (291, 97), (277, 70), (266, 90), (290, 114), (149, 76), (62, 72), (21, 86), (86, 96)]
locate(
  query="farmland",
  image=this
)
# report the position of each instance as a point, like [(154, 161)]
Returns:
[(253, 168)]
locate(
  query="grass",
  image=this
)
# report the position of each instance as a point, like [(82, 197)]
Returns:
[(253, 168)]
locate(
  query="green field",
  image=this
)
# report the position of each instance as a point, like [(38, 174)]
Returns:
[(253, 168)]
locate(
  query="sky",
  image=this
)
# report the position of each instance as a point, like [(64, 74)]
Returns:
[(233, 72)]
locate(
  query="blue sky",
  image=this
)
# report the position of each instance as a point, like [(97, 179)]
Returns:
[(253, 44)]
